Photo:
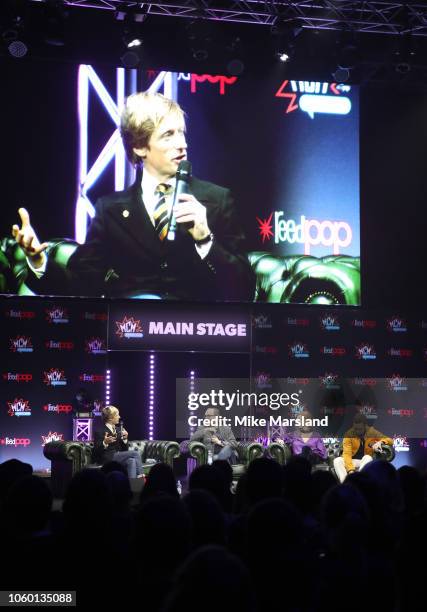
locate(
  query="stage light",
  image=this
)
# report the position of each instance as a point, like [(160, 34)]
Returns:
[(13, 37), (192, 387), (152, 365), (284, 33), (341, 75), (107, 387)]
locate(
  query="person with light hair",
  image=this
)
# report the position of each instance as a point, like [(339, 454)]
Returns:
[(131, 249), (111, 444)]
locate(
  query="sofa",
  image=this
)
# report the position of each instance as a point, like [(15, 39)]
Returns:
[(330, 280), (69, 457), (246, 452)]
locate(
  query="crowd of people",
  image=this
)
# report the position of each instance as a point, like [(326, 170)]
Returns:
[(289, 538)]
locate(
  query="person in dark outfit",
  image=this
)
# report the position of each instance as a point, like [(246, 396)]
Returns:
[(111, 444)]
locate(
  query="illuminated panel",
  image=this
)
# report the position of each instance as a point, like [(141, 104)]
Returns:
[(107, 387), (152, 376), (192, 387), (113, 148)]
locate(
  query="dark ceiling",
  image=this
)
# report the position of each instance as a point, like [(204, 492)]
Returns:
[(377, 41)]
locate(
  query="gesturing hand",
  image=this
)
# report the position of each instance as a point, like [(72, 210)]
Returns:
[(191, 211), (27, 239)]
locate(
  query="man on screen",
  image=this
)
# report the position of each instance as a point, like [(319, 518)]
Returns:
[(128, 251)]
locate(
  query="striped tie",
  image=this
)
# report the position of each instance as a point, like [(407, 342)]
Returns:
[(161, 210)]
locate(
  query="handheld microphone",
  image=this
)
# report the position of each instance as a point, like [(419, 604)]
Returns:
[(183, 176), (119, 430)]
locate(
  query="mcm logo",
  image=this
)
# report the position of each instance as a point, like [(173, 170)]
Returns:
[(21, 344), (396, 324), (98, 405), (330, 323), (262, 321), (369, 411), (19, 407), (129, 328), (298, 350), (329, 381), (397, 383), (95, 346), (365, 351), (54, 377), (400, 443), (57, 315), (52, 436), (263, 380)]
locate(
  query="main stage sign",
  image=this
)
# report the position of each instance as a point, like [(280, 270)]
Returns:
[(168, 327)]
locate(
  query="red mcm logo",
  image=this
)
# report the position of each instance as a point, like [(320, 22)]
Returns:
[(129, 328), (52, 436), (397, 383), (21, 344), (19, 407), (265, 228), (54, 377)]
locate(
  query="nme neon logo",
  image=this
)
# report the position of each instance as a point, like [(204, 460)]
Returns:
[(17, 377), (52, 436), (309, 232), (57, 315), (129, 328), (54, 377), (15, 442), (21, 344), (19, 407), (95, 346)]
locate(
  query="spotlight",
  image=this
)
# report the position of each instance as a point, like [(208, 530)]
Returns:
[(282, 56), (14, 39), (341, 75)]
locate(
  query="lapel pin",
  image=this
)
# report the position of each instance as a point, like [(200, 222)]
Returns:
[(125, 213)]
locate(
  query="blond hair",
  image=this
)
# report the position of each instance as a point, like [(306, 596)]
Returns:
[(108, 412), (142, 114)]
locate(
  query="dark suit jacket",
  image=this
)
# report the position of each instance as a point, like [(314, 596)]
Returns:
[(224, 433), (101, 454), (123, 255)]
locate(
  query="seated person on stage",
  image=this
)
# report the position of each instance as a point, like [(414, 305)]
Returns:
[(219, 439), (305, 441), (360, 443), (111, 444)]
